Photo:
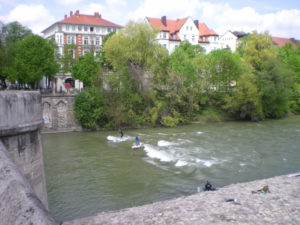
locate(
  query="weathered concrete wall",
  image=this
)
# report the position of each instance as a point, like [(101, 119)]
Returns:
[(18, 202), (20, 123), (58, 113)]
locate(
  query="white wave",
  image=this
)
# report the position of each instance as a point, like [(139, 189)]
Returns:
[(207, 163), (199, 132), (242, 164), (163, 143), (180, 163), (157, 154), (118, 139)]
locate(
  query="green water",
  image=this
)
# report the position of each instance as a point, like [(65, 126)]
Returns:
[(86, 173)]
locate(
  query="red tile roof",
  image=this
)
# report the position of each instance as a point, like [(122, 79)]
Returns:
[(204, 31), (172, 26), (95, 19), (282, 41)]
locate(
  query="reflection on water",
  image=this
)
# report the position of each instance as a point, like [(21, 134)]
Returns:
[(89, 172)]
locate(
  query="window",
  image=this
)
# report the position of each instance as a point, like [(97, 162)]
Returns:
[(115, 30), (191, 28), (79, 28), (85, 51), (184, 37), (164, 35), (86, 40), (97, 41), (174, 36), (97, 29), (193, 38), (165, 45), (59, 28), (92, 29), (67, 27), (108, 29), (85, 28), (103, 30), (203, 38), (73, 28), (71, 53), (187, 28)]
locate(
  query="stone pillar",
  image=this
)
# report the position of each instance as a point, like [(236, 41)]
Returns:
[(20, 124)]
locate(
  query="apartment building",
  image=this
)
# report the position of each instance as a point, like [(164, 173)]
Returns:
[(172, 32), (80, 34)]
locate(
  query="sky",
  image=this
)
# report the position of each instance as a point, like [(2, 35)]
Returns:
[(281, 18)]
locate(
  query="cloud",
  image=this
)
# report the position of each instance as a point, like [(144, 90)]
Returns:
[(35, 17), (112, 10), (68, 2), (170, 8), (222, 17)]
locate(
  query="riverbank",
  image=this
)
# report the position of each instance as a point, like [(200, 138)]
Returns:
[(280, 206)]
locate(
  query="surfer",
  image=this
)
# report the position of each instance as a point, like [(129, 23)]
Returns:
[(137, 141), (121, 133), (208, 187)]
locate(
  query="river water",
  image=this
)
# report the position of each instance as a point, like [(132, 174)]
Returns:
[(90, 172)]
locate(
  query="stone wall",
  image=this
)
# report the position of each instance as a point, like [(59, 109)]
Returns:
[(20, 124), (58, 113)]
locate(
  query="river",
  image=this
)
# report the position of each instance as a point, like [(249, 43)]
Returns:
[(90, 172)]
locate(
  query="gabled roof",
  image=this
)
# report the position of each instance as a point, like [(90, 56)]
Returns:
[(171, 26), (78, 18), (282, 41), (204, 31)]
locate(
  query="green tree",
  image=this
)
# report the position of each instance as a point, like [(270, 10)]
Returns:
[(34, 59), (134, 47), (86, 68), (10, 35)]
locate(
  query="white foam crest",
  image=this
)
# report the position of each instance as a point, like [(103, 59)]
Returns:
[(118, 139), (207, 163), (180, 163), (157, 154), (163, 143), (242, 164), (199, 132)]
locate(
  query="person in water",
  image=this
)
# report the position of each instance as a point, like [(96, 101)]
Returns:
[(137, 140), (208, 187), (121, 133)]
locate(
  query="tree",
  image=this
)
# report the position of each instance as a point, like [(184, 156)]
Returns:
[(85, 69), (134, 47), (34, 59), (10, 35)]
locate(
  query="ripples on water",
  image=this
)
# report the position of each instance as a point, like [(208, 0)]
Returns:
[(90, 172)]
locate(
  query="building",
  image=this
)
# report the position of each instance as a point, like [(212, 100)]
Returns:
[(231, 39), (282, 41), (76, 35), (208, 38), (172, 32)]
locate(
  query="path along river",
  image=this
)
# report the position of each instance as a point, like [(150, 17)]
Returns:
[(90, 172)]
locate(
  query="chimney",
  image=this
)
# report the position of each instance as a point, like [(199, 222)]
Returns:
[(71, 13), (66, 16), (164, 20), (77, 13), (196, 22), (97, 15)]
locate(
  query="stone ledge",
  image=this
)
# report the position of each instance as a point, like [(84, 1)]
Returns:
[(22, 128), (281, 206)]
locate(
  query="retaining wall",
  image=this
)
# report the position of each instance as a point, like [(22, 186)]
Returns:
[(21, 158)]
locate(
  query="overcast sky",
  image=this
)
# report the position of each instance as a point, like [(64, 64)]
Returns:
[(280, 18)]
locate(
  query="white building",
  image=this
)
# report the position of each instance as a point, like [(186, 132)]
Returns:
[(231, 40), (78, 33), (172, 32)]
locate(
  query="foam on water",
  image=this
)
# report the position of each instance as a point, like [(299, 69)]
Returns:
[(199, 132), (155, 153), (119, 139), (163, 143), (180, 163)]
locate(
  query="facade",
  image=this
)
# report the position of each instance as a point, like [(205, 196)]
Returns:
[(172, 32), (76, 35), (231, 39)]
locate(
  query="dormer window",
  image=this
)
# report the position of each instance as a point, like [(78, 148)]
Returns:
[(164, 35), (203, 39), (174, 36)]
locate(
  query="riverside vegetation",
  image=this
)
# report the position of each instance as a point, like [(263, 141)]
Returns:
[(134, 82)]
